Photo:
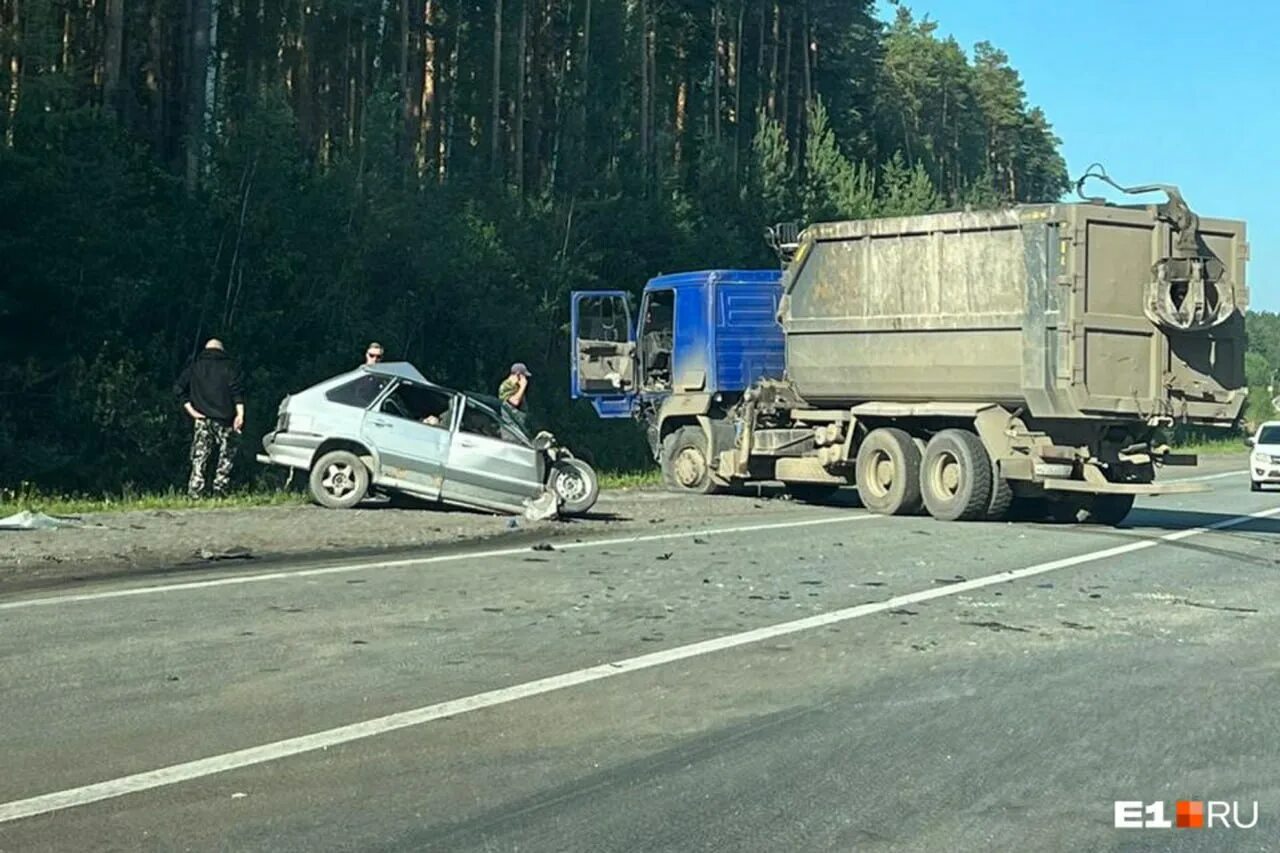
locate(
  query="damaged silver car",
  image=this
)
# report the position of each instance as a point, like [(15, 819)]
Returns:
[(385, 428)]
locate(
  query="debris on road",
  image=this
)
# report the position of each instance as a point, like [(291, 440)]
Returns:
[(27, 520), (234, 553)]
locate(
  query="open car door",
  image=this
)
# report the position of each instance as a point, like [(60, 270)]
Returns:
[(603, 367)]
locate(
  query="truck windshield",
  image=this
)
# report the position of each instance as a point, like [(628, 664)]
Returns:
[(656, 339)]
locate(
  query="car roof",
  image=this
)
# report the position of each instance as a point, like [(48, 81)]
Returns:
[(401, 369)]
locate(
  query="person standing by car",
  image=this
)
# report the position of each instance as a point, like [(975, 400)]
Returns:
[(373, 354), (212, 396), (513, 389)]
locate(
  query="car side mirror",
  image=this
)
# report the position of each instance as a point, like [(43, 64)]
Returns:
[(1249, 442)]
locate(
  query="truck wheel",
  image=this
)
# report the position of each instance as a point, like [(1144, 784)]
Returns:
[(1109, 509), (887, 472), (686, 464), (576, 484), (1001, 503), (339, 480), (955, 478)]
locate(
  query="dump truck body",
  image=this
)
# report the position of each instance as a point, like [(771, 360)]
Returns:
[(1045, 308)]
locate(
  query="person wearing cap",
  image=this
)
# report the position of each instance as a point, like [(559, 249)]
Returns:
[(513, 388)]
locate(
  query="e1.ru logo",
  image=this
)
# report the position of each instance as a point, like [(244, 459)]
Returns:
[(1188, 814)]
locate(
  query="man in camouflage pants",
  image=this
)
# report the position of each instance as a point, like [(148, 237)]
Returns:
[(212, 396)]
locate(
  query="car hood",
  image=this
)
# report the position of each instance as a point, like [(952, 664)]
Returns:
[(1273, 449)]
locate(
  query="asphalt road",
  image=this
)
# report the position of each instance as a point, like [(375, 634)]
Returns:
[(819, 680)]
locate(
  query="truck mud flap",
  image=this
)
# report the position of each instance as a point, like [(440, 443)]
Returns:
[(1126, 488)]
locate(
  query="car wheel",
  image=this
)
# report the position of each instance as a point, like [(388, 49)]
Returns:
[(339, 480), (576, 484), (955, 477), (686, 463), (887, 472)]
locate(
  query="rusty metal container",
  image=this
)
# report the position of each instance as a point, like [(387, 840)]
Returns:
[(1073, 310)]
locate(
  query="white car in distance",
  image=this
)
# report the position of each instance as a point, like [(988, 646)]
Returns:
[(1264, 459)]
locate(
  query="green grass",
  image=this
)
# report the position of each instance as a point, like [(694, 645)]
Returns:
[(1213, 447), (630, 479), (28, 497)]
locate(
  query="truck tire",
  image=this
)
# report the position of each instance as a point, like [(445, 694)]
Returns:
[(1109, 509), (339, 480), (955, 477), (887, 472), (686, 463), (998, 508)]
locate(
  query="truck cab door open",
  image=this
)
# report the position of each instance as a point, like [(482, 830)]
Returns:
[(604, 351)]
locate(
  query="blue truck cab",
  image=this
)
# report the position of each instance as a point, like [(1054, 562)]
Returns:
[(699, 340)]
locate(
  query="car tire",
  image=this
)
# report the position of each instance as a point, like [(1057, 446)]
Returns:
[(339, 480), (686, 462), (955, 476), (1255, 486), (887, 472), (575, 484)]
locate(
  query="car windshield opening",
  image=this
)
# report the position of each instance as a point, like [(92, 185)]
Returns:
[(412, 402)]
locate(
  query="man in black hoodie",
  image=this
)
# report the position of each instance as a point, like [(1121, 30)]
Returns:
[(211, 395)]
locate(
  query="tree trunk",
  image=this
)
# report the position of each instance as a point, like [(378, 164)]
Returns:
[(408, 103), (496, 117), (427, 107), (682, 107), (761, 89), (113, 57), (808, 46), (201, 11), (14, 95), (737, 86), (715, 75), (644, 91), (773, 66), (521, 66), (211, 79), (784, 108)]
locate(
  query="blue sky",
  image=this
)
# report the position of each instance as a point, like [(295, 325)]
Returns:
[(1178, 92)]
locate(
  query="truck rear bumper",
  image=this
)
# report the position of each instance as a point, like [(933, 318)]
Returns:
[(1126, 488)]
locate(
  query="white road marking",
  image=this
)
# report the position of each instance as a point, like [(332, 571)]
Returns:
[(1204, 477), (233, 580), (176, 773)]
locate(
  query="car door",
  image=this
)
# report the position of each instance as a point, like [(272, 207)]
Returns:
[(411, 453), (489, 465)]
